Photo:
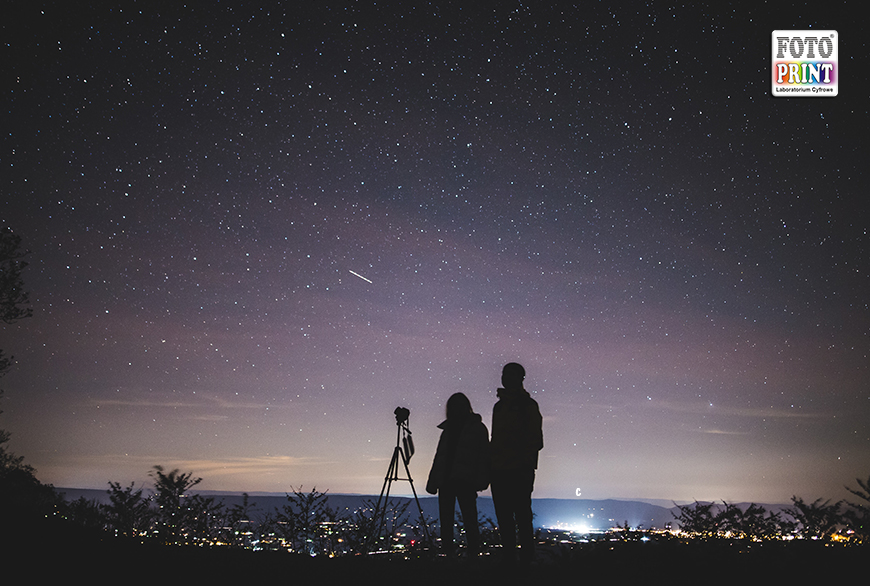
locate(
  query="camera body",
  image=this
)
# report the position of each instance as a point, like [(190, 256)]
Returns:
[(402, 415)]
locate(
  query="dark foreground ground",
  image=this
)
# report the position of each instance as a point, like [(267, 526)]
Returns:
[(55, 555)]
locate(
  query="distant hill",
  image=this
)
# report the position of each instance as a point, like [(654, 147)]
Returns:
[(578, 514)]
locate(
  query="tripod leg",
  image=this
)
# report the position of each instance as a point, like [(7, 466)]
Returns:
[(417, 500), (381, 511)]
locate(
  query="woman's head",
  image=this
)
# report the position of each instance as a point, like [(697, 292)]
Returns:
[(458, 405)]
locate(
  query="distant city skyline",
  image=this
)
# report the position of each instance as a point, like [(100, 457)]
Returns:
[(254, 232)]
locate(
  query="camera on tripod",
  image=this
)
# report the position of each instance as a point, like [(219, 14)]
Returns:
[(401, 455), (402, 415)]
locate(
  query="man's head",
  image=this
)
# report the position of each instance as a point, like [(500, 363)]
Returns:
[(512, 376)]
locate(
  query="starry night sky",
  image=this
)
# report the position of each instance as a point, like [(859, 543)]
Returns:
[(254, 232)]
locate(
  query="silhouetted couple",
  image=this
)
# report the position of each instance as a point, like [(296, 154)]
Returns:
[(466, 462)]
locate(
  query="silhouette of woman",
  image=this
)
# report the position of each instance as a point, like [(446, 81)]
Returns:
[(460, 470)]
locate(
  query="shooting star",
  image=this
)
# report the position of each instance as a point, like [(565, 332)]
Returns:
[(360, 276)]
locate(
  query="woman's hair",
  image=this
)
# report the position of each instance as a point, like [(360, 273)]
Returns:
[(458, 405)]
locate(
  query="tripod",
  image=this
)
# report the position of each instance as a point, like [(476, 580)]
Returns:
[(403, 451)]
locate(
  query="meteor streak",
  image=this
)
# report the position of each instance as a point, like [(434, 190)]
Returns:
[(359, 275)]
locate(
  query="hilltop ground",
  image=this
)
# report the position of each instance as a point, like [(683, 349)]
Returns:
[(61, 554)]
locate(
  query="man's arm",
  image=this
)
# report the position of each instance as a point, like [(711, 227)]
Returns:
[(537, 428)]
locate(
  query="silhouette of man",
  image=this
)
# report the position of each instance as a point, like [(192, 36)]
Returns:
[(517, 437)]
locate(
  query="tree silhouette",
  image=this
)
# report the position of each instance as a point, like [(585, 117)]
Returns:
[(858, 515), (8, 460), (308, 523), (238, 526), (488, 530), (14, 299), (753, 523), (128, 513), (203, 519), (359, 527), (698, 519), (173, 514), (21, 494), (13, 307), (817, 520), (86, 513), (392, 516), (23, 497)]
